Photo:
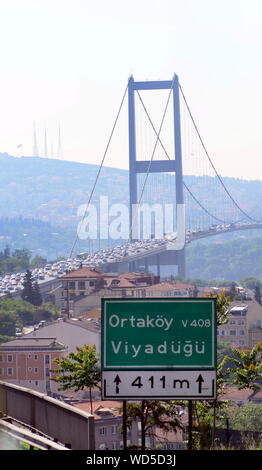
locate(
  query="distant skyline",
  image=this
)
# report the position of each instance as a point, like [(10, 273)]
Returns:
[(65, 64)]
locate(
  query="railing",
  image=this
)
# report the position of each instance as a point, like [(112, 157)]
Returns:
[(13, 433), (65, 424)]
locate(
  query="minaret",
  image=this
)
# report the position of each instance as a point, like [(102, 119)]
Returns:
[(35, 147), (46, 151), (59, 151)]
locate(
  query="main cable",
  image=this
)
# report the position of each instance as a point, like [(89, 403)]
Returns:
[(206, 152), (167, 155), (99, 171)]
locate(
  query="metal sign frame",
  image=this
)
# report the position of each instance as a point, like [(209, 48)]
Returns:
[(129, 378)]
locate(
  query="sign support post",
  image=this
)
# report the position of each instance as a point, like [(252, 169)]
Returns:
[(124, 425)]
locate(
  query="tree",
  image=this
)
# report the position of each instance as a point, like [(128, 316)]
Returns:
[(232, 292), (245, 417), (79, 370), (31, 292), (37, 297), (204, 411), (38, 261), (23, 254), (6, 253), (151, 413), (7, 323), (248, 367), (250, 282), (258, 294), (27, 293)]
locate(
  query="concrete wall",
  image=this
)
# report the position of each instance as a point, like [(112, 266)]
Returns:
[(70, 426)]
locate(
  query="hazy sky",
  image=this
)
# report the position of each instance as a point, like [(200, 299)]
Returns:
[(68, 62)]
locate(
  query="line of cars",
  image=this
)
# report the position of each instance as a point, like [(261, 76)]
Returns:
[(13, 283)]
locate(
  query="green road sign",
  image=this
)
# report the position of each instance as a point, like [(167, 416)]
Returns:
[(159, 333)]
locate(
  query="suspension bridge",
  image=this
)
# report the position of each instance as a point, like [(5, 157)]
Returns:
[(173, 178)]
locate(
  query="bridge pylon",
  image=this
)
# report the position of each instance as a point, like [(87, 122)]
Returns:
[(172, 165)]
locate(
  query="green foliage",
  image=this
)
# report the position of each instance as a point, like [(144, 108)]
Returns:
[(78, 370), (258, 294), (17, 313), (234, 259), (250, 282), (163, 414), (222, 304), (7, 323), (244, 418), (31, 292), (248, 367)]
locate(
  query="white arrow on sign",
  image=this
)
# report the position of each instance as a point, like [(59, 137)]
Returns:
[(159, 384)]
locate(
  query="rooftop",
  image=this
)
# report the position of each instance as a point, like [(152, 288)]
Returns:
[(32, 343), (83, 273), (169, 286), (101, 409)]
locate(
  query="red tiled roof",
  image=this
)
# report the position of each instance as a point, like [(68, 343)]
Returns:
[(102, 406), (169, 286), (83, 272), (233, 393)]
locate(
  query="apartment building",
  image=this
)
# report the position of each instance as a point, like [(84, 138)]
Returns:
[(83, 288), (236, 330), (27, 362), (254, 335), (108, 423)]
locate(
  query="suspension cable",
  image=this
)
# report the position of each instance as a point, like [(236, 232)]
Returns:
[(206, 152), (99, 171), (167, 155)]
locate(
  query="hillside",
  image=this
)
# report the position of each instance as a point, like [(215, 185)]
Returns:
[(39, 199), (230, 260), (52, 190)]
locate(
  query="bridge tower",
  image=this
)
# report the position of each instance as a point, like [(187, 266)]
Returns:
[(176, 256)]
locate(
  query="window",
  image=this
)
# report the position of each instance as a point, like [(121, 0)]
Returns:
[(91, 283), (36, 357), (10, 358), (10, 371), (36, 382), (102, 431), (35, 370), (1, 358), (47, 359), (72, 285), (47, 372), (114, 429), (81, 285), (114, 445), (2, 371), (241, 332), (232, 332)]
